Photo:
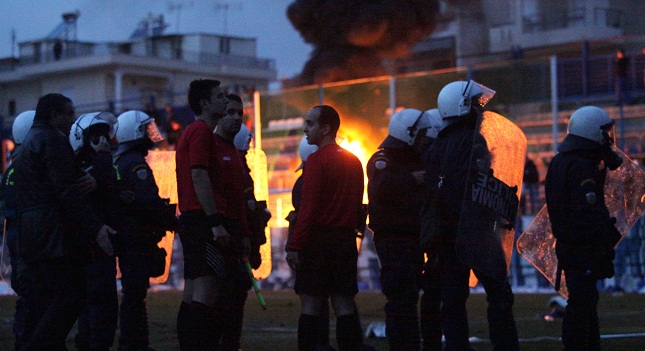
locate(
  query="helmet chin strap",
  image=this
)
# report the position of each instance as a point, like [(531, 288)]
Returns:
[(413, 128)]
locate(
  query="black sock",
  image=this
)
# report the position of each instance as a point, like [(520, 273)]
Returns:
[(323, 326), (204, 325), (183, 326), (308, 327), (349, 333)]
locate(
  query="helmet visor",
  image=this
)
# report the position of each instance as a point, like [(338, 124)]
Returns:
[(473, 89), (153, 132)]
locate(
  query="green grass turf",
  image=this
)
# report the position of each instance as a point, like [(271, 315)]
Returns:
[(275, 328)]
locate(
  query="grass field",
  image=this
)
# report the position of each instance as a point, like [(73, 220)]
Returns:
[(275, 328)]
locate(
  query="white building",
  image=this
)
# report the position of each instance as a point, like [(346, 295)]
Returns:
[(128, 75)]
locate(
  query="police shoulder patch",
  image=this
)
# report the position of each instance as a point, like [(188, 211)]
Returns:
[(142, 174), (141, 171), (380, 163)]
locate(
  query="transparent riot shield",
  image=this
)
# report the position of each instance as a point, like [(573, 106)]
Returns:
[(625, 199), (487, 219), (162, 164)]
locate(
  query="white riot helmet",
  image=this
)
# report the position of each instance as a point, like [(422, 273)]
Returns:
[(21, 126), (592, 123), (78, 134), (304, 150), (136, 125), (243, 138), (436, 123), (458, 98), (404, 128)]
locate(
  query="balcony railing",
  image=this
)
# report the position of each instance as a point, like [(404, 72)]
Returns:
[(75, 50)]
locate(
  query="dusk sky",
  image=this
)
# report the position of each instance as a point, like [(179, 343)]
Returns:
[(115, 20)]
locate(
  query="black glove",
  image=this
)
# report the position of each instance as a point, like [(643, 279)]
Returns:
[(255, 259), (612, 159), (611, 236)]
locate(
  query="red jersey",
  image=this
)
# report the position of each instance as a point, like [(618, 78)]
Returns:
[(194, 151), (228, 186), (332, 193)]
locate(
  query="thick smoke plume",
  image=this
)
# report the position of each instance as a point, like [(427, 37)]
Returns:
[(351, 37)]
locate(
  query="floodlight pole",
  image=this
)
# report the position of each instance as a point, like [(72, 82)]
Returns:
[(554, 100)]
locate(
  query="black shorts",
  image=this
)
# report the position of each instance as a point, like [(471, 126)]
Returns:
[(328, 264), (199, 249)]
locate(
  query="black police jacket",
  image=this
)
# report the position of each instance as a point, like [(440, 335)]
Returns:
[(447, 164), (8, 194), (395, 198), (54, 218), (579, 216), (148, 215), (104, 199)]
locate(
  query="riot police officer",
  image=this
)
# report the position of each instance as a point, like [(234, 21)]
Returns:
[(395, 193), (143, 223), (19, 284), (584, 231), (89, 137), (447, 164)]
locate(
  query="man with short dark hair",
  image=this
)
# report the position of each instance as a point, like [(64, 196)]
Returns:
[(202, 229), (57, 229), (322, 249)]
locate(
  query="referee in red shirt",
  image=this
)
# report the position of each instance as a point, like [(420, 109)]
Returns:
[(201, 221), (322, 249)]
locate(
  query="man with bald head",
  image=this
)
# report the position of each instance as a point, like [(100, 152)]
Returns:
[(322, 249)]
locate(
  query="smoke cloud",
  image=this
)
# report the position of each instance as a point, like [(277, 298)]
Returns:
[(351, 37)]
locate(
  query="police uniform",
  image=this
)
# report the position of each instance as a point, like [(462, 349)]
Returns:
[(19, 283), (395, 201), (447, 166), (141, 228), (585, 234), (98, 320)]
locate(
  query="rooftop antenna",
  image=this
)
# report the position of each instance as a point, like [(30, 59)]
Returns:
[(224, 7), (13, 42), (176, 7), (150, 27)]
